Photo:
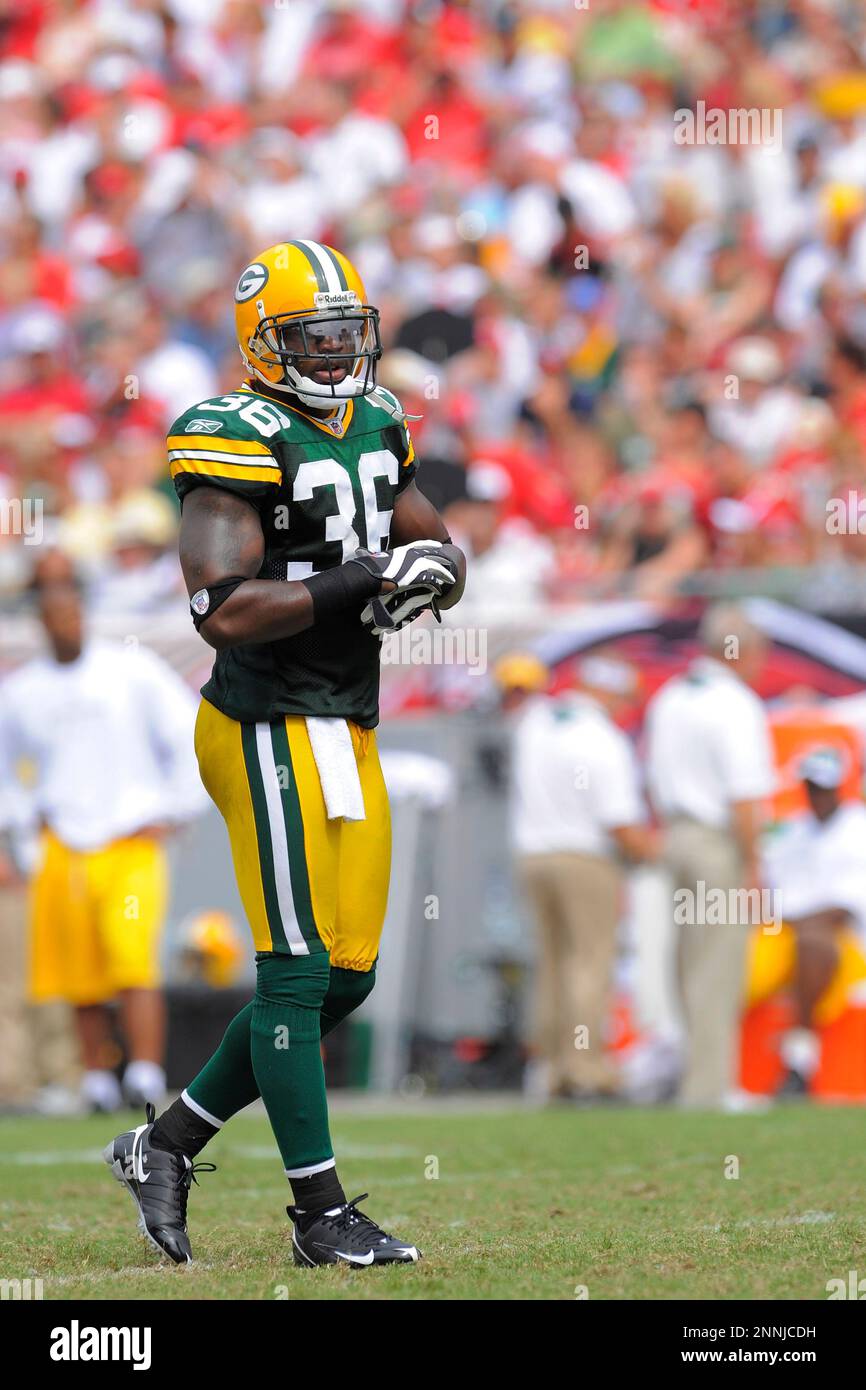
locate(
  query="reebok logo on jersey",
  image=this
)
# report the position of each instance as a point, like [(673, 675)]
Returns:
[(203, 426)]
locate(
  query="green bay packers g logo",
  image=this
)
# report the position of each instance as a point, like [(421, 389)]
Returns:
[(254, 278)]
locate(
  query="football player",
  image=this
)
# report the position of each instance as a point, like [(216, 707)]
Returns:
[(303, 539)]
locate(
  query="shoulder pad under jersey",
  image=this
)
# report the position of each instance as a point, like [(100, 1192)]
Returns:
[(387, 401)]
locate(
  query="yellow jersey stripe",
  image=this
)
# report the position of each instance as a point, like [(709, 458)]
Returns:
[(256, 459), (223, 446), (219, 468)]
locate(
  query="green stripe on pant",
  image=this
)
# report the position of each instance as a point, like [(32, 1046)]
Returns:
[(263, 836), (294, 823)]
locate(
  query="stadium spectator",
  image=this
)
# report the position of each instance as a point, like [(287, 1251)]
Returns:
[(710, 770), (577, 281), (510, 561), (577, 815), (38, 1053), (107, 733), (144, 574)]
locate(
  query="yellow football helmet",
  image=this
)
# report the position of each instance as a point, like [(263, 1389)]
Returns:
[(303, 324)]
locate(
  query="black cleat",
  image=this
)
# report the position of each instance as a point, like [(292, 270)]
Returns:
[(794, 1086), (158, 1183), (346, 1235)]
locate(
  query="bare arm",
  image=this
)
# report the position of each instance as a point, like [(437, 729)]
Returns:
[(746, 820), (639, 843), (416, 519), (834, 919), (220, 538)]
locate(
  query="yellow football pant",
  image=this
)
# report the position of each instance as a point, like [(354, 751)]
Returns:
[(773, 960), (95, 919), (307, 884)]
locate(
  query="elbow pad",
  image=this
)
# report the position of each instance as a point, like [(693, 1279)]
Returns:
[(205, 602)]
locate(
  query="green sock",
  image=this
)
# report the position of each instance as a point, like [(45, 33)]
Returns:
[(346, 990), (226, 1082), (287, 1059)]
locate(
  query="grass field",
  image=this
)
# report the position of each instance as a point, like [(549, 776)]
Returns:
[(528, 1204)]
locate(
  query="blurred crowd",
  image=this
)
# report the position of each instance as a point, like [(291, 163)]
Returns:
[(636, 355)]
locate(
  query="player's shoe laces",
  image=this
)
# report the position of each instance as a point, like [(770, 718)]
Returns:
[(346, 1234), (159, 1183)]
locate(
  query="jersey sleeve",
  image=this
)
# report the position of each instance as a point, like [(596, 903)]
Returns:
[(408, 461), (209, 446)]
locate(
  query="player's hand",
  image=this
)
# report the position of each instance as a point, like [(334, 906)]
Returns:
[(420, 574), (393, 611), (753, 878), (420, 564)]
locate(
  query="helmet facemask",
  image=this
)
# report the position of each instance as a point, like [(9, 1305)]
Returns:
[(326, 356)]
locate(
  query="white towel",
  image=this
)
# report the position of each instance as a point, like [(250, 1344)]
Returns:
[(334, 753)]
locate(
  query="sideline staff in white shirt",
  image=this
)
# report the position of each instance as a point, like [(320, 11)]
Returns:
[(710, 769), (105, 733), (576, 807)]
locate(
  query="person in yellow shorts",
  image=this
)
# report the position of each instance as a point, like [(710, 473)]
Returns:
[(96, 919), (104, 731), (819, 869)]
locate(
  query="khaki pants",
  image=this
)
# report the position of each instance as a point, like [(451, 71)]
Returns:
[(711, 962), (575, 899), (38, 1046)]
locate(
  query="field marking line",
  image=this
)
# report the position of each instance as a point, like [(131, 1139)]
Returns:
[(347, 1149), (808, 1218), (46, 1158), (161, 1270)]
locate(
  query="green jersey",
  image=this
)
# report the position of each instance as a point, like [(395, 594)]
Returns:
[(322, 488)]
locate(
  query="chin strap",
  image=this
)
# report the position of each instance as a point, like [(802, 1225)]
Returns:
[(305, 390)]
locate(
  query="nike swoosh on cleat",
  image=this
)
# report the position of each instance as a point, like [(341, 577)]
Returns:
[(356, 1259), (137, 1162)]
